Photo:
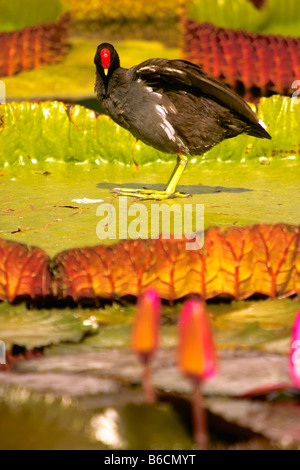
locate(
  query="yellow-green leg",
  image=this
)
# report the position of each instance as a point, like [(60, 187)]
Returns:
[(132, 154), (169, 192)]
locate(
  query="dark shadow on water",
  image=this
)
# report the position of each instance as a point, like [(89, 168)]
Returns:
[(189, 189)]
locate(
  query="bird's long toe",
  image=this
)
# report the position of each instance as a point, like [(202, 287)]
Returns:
[(148, 194)]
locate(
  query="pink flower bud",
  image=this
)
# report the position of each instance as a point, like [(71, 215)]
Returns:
[(145, 333), (196, 354), (295, 351)]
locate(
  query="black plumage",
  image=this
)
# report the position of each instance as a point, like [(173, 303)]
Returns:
[(171, 105)]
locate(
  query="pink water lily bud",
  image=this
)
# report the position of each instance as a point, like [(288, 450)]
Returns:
[(295, 351), (145, 332), (196, 352)]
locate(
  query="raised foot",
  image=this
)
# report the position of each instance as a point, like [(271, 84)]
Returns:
[(148, 194)]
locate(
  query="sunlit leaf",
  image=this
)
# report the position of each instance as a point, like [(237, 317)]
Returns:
[(275, 16), (37, 328), (17, 14), (24, 272), (253, 64), (235, 262), (55, 132)]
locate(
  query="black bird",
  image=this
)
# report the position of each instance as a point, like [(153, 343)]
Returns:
[(173, 106)]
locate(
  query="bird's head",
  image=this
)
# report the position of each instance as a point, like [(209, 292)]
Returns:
[(106, 60)]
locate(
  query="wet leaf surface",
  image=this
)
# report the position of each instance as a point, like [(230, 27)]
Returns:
[(35, 328), (84, 137), (14, 16), (279, 423), (103, 381), (239, 371), (274, 17), (31, 202)]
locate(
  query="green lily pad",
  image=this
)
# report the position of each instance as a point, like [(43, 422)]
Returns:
[(241, 15), (15, 15), (264, 325), (56, 134), (53, 181), (43, 209), (240, 372), (276, 17), (32, 328)]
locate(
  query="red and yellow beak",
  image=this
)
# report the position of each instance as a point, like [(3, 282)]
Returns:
[(105, 59)]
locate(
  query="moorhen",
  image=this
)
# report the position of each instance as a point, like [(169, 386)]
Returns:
[(173, 106)]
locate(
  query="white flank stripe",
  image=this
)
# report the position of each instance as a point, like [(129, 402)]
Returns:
[(165, 125), (161, 111), (169, 130), (179, 72), (152, 68)]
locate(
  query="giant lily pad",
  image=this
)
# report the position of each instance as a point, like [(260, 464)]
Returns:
[(263, 325), (274, 17), (71, 157), (237, 263), (32, 328), (55, 133), (15, 15)]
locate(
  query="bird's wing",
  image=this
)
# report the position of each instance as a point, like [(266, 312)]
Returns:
[(182, 74)]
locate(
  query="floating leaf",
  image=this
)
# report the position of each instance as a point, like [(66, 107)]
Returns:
[(254, 65), (24, 272), (275, 16), (261, 324), (278, 422), (34, 328), (240, 371), (83, 136), (235, 262), (32, 201), (243, 16), (15, 14), (31, 47)]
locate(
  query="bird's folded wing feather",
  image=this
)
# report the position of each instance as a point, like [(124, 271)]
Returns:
[(163, 73)]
